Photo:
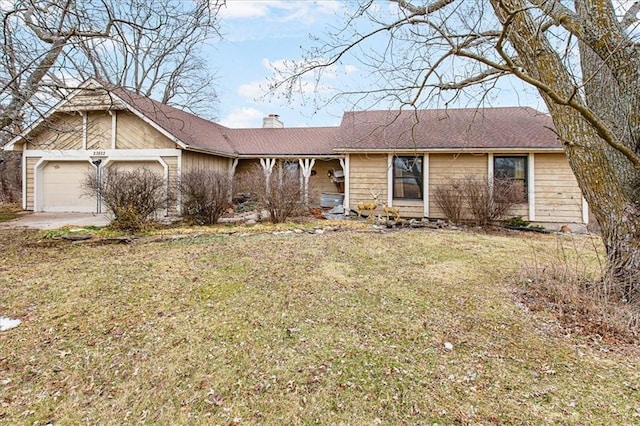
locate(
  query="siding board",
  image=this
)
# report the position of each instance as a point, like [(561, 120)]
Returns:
[(443, 167), (558, 197), (91, 100), (367, 172), (133, 133), (30, 175), (61, 131), (196, 160), (98, 130)]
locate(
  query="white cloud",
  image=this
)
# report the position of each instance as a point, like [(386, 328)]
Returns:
[(243, 118), (252, 90), (240, 9), (303, 11), (350, 69)]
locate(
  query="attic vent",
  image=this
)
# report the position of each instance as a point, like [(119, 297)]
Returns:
[(272, 121)]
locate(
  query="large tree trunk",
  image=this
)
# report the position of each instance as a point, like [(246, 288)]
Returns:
[(607, 178), (618, 108)]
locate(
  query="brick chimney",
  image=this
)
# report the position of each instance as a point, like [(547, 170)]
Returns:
[(272, 121)]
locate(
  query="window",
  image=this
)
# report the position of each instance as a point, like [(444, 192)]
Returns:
[(510, 177), (407, 177)]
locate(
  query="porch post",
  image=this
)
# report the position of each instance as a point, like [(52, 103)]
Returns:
[(232, 173), (344, 163), (267, 166), (306, 165), (531, 186)]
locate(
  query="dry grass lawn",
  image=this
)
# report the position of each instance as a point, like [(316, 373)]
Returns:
[(343, 327)]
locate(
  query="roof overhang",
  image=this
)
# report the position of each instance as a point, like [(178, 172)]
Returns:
[(271, 155), (452, 150), (209, 151)]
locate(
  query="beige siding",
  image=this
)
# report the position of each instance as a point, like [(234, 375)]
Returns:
[(172, 163), (557, 196), (367, 173), (128, 166), (409, 208), (196, 160), (89, 100), (444, 167), (99, 130), (321, 183), (62, 131), (246, 166), (133, 133), (30, 189)]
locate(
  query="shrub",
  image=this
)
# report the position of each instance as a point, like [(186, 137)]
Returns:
[(517, 221), (484, 202), (205, 195), (279, 193), (133, 197), (487, 203), (450, 199)]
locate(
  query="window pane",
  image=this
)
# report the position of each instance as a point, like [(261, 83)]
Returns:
[(514, 170), (407, 177)]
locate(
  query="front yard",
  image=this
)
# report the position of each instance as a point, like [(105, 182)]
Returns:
[(349, 327)]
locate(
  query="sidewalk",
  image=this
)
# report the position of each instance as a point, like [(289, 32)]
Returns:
[(42, 220)]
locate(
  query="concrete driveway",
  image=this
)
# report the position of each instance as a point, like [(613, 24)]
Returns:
[(55, 220)]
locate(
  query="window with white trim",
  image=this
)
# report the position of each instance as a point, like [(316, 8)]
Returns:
[(511, 170), (408, 180)]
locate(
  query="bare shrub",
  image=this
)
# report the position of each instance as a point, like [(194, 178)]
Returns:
[(449, 198), (585, 301), (487, 203), (133, 197), (279, 193), (10, 177), (204, 195)]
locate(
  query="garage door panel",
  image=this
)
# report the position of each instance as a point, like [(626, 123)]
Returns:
[(129, 166), (62, 189)]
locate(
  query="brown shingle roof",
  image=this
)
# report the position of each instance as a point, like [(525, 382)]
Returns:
[(488, 128), (193, 131), (437, 129), (285, 141), (202, 134)]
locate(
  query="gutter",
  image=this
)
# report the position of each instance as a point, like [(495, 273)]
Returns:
[(210, 151), (449, 150)]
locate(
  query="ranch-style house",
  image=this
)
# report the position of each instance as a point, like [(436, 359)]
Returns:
[(400, 155)]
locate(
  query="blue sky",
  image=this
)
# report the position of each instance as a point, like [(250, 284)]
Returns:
[(260, 34)]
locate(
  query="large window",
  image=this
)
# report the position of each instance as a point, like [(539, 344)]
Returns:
[(510, 176), (407, 177)]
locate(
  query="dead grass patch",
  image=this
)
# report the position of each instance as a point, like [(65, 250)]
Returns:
[(566, 283), (294, 328), (9, 212)]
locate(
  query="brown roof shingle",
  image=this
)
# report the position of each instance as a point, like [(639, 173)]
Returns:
[(193, 131), (488, 128), (436, 129), (284, 141)]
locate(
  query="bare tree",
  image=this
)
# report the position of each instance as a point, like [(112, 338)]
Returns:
[(151, 47), (581, 56), (160, 56)]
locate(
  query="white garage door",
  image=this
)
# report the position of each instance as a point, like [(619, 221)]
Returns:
[(62, 187), (128, 166)]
